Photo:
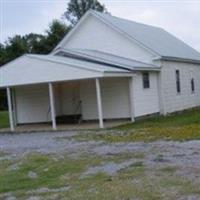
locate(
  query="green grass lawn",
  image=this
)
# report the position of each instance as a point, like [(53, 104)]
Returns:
[(178, 127), (4, 121), (133, 182)]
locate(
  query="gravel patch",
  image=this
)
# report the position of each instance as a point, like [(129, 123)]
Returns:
[(47, 190), (110, 168), (47, 143), (183, 155), (32, 175)]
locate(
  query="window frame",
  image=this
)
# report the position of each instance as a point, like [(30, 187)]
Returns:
[(178, 81), (146, 80), (192, 85)]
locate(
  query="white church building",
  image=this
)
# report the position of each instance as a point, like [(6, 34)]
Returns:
[(106, 68)]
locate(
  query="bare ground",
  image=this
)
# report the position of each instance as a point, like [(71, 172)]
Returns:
[(180, 158)]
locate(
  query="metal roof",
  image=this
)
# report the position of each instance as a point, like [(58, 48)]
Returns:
[(83, 64), (154, 38), (34, 69), (115, 61)]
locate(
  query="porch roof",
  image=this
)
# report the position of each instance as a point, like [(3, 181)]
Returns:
[(33, 69)]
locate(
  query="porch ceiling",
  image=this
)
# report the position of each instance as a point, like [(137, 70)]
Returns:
[(33, 69)]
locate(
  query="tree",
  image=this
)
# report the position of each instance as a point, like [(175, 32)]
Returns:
[(15, 47), (3, 56), (77, 8), (57, 30), (33, 43)]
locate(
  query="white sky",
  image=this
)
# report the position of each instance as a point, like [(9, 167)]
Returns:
[(180, 17)]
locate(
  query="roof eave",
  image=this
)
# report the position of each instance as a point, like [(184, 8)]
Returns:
[(147, 68), (125, 66), (167, 58)]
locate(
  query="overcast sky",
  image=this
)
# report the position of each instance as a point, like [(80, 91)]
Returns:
[(182, 18)]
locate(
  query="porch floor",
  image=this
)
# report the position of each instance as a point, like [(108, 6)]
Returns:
[(63, 127)]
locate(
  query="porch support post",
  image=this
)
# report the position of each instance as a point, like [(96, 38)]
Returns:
[(52, 106), (99, 103), (14, 107), (131, 94), (10, 109)]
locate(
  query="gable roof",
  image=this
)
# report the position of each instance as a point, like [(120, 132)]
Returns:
[(34, 69), (103, 58), (154, 39)]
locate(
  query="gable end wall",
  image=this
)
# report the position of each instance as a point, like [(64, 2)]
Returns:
[(94, 34)]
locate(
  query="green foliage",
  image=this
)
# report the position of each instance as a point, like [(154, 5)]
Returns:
[(3, 102), (57, 30), (4, 122), (33, 43), (77, 8)]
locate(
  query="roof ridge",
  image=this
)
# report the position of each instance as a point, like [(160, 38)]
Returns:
[(126, 20), (133, 38), (110, 19)]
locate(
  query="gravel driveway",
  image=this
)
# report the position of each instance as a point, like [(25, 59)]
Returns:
[(184, 155)]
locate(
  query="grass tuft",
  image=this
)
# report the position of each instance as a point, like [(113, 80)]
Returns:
[(4, 121)]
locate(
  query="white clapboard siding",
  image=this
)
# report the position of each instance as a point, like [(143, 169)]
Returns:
[(69, 98), (88, 99), (186, 99), (32, 104), (115, 99), (146, 101)]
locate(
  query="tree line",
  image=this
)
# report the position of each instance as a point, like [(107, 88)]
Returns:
[(44, 43)]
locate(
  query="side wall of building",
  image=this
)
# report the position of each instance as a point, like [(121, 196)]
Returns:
[(116, 99), (173, 101), (146, 101)]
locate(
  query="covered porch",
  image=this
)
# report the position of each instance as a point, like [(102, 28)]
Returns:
[(77, 86), (71, 105), (54, 91)]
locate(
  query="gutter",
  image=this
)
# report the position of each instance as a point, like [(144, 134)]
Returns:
[(167, 58)]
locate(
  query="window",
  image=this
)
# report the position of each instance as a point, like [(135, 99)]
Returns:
[(178, 83), (192, 85), (146, 81)]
